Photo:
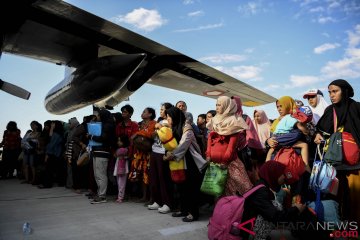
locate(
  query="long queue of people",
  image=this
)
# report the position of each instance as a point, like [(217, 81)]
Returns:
[(132, 160)]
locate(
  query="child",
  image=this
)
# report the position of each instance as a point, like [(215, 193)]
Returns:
[(288, 132), (121, 166)]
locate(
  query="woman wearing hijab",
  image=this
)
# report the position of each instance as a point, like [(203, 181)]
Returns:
[(348, 117), (263, 206), (262, 126), (249, 147), (223, 139), (317, 103), (287, 106), (194, 164), (289, 129)]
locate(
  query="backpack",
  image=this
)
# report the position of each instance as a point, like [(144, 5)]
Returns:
[(334, 152), (227, 211), (294, 165), (351, 151)]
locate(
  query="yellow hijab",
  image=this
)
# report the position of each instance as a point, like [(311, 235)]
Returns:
[(288, 106)]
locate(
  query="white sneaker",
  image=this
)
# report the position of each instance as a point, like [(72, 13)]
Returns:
[(153, 206), (164, 209)]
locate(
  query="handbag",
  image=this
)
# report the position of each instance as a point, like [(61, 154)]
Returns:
[(350, 149), (135, 175), (294, 165), (323, 175), (322, 179), (177, 170), (214, 180), (83, 158)]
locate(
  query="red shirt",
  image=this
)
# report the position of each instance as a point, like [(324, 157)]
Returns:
[(222, 149), (129, 129), (11, 140)]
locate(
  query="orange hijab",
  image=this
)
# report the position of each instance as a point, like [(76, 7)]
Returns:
[(288, 106)]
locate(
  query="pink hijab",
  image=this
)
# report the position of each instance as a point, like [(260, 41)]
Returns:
[(262, 128), (252, 138)]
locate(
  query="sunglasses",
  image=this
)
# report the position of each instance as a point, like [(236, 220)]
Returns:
[(312, 96)]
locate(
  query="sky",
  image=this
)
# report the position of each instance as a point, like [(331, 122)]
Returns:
[(280, 47)]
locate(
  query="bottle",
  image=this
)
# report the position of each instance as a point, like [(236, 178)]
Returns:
[(234, 229), (26, 229)]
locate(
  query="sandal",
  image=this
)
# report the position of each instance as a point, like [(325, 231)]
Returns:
[(189, 218), (178, 214)]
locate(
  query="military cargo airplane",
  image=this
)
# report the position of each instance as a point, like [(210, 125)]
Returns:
[(110, 62)]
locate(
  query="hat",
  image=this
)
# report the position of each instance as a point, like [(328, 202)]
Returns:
[(303, 114), (310, 92)]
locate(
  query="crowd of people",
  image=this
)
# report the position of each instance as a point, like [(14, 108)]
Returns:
[(130, 160)]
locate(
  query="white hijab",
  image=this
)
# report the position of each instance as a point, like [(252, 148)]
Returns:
[(318, 111)]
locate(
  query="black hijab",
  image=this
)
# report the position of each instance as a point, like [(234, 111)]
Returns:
[(347, 112), (178, 121)]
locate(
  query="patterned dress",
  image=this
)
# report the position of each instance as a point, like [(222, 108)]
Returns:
[(140, 164), (238, 180)]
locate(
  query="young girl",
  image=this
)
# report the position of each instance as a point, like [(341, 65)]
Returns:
[(121, 166)]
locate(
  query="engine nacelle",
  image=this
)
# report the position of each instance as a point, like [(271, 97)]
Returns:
[(93, 82)]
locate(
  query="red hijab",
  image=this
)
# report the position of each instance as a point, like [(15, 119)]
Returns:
[(270, 171)]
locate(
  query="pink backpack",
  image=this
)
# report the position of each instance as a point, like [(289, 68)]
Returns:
[(228, 210)]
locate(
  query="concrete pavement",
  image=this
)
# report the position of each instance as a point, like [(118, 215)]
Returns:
[(60, 214)]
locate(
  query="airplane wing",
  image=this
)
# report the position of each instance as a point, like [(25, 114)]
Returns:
[(58, 32)]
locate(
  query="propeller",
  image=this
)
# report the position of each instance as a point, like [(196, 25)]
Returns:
[(14, 90)]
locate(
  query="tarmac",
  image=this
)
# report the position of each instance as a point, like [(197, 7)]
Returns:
[(61, 214)]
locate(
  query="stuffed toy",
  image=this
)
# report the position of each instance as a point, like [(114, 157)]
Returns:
[(177, 168)]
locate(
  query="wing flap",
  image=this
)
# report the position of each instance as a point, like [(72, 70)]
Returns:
[(250, 96)]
